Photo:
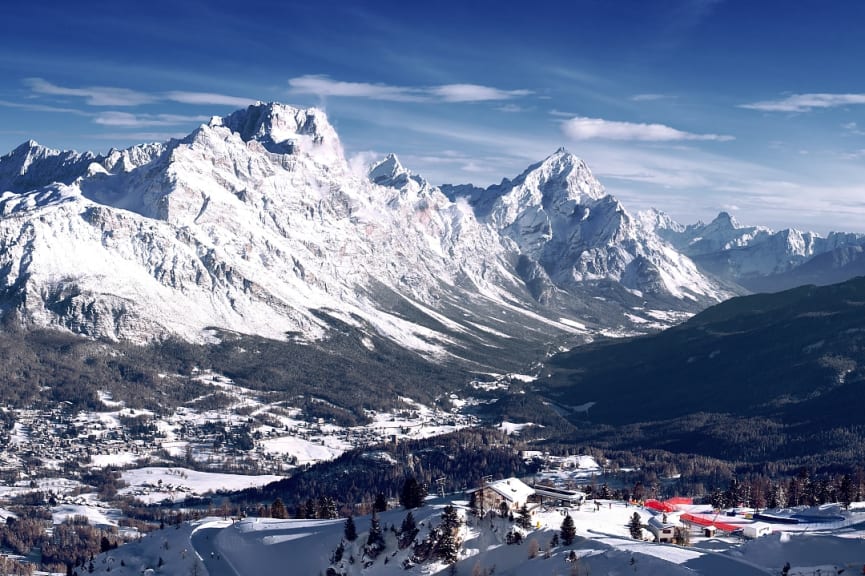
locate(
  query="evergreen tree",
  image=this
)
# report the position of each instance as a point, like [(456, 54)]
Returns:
[(277, 509), (380, 504), (326, 508), (568, 530), (450, 518), (408, 531), (635, 526), (448, 545), (412, 494), (605, 492), (847, 490), (375, 541), (337, 554), (525, 520), (350, 529), (309, 508)]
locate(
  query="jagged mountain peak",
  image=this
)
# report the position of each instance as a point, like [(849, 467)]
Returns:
[(561, 173), (724, 220), (284, 129), (31, 166), (387, 170), (657, 221)]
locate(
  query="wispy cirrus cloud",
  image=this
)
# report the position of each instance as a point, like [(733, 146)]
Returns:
[(207, 98), (649, 97), (322, 85), (582, 128), (93, 95), (103, 96), (127, 120), (806, 102), (41, 108)]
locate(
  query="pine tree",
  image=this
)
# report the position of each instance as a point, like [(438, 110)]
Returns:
[(635, 526), (326, 508), (568, 530), (525, 520), (337, 554), (412, 494), (408, 531), (448, 545), (450, 518), (309, 508), (848, 492), (375, 541), (380, 504), (277, 509), (350, 529)]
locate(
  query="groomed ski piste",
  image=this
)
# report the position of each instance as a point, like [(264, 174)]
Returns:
[(603, 546)]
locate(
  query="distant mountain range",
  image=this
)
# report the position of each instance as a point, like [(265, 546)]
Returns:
[(759, 259), (255, 223)]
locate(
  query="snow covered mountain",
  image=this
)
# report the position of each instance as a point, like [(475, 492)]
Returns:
[(759, 258), (255, 223), (576, 238)]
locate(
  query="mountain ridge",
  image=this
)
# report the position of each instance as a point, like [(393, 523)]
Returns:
[(255, 223)]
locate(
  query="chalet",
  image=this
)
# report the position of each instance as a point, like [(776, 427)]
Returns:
[(513, 492), (664, 531)]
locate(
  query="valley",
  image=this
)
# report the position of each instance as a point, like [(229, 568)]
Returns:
[(204, 327)]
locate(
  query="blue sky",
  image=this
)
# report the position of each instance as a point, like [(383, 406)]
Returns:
[(689, 106)]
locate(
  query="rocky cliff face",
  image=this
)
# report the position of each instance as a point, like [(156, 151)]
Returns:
[(559, 217), (254, 223)]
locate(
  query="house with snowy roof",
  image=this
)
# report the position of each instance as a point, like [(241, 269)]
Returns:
[(663, 528), (513, 492)]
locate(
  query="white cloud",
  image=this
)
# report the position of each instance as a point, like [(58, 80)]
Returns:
[(581, 128), (474, 93), (113, 96), (322, 85), (853, 128), (140, 120), (510, 108), (94, 95), (207, 98), (360, 162), (806, 102), (648, 97), (42, 108), (855, 155)]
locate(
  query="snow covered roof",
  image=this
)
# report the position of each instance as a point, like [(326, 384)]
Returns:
[(512, 489)]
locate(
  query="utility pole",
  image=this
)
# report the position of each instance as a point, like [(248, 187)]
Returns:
[(441, 485)]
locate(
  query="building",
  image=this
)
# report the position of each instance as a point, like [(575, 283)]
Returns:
[(513, 492), (664, 532), (559, 496), (756, 530)]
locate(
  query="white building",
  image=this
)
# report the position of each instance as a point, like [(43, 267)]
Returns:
[(512, 491)]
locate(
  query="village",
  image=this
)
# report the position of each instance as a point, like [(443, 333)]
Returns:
[(249, 436)]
